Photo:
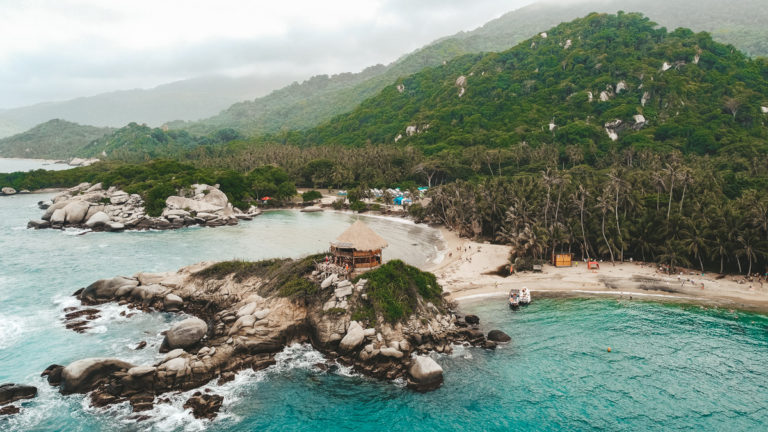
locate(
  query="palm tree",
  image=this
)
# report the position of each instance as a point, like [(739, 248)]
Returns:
[(603, 204), (694, 239)]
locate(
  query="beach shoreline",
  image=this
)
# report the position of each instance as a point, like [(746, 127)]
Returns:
[(468, 271)]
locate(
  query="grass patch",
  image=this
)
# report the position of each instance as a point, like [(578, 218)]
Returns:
[(336, 311), (393, 291), (284, 277)]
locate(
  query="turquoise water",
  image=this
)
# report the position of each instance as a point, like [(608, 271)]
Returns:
[(13, 165), (671, 367)]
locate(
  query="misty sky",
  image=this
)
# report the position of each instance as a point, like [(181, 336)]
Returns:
[(61, 49)]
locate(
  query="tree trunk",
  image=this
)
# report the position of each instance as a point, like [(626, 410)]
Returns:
[(701, 263), (738, 261), (618, 228), (671, 192), (610, 250), (721, 263), (685, 186), (583, 234)]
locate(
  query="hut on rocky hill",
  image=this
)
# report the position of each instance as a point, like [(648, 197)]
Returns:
[(358, 249)]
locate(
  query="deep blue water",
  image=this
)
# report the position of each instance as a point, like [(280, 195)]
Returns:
[(671, 367)]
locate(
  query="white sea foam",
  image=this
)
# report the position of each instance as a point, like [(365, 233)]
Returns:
[(75, 231), (11, 330)]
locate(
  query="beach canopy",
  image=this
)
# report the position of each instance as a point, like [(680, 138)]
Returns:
[(266, 198), (360, 237)]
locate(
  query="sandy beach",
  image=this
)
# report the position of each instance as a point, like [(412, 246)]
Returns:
[(468, 270)]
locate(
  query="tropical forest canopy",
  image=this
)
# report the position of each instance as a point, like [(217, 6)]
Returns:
[(609, 137)]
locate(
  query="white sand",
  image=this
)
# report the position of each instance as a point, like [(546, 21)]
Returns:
[(466, 271)]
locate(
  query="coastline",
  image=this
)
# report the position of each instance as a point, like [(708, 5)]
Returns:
[(467, 267)]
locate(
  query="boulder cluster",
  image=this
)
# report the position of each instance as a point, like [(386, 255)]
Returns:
[(238, 324), (98, 209)]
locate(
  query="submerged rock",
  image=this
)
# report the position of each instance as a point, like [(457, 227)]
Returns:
[(13, 392), (204, 405), (498, 336)]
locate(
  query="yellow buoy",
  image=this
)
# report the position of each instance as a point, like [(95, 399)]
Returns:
[(609, 349)]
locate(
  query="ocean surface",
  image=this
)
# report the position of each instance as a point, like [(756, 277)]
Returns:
[(672, 367)]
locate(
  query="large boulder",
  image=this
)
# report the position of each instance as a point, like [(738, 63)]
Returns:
[(13, 392), (498, 336), (75, 212), (58, 216), (8, 191), (180, 203), (97, 220), (185, 333), (172, 302), (106, 289), (424, 374), (215, 197), (51, 209), (84, 375), (353, 338)]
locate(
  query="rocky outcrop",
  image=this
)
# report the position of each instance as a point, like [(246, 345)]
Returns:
[(7, 191), (14, 392), (243, 322), (204, 405), (92, 207), (83, 375)]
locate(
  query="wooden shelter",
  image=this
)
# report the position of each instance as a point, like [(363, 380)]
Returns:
[(562, 260), (358, 249)]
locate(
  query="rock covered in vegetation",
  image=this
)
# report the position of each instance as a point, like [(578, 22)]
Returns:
[(93, 207), (247, 312)]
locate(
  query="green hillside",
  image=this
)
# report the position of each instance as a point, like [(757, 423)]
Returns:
[(54, 139), (585, 81), (137, 143), (301, 106)]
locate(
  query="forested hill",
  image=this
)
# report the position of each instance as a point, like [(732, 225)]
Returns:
[(304, 105), (597, 83), (54, 139)]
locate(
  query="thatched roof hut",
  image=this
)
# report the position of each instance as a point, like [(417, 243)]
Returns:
[(359, 247)]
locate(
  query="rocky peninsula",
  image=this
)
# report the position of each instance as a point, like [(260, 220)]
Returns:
[(383, 324), (93, 207)]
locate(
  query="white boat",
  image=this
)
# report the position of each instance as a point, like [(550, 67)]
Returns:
[(514, 300), (525, 296)]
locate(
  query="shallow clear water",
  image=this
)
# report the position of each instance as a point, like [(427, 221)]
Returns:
[(671, 367)]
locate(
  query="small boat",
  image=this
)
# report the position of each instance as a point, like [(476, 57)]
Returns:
[(525, 296), (514, 300)]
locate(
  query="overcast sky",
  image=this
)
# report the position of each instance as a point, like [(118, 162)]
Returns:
[(61, 49)]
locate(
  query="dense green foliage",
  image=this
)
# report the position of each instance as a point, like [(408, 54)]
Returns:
[(311, 196), (708, 101), (54, 139), (137, 143), (158, 179), (301, 106), (286, 277), (394, 291)]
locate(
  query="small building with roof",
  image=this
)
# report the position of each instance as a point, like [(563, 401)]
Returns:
[(358, 249)]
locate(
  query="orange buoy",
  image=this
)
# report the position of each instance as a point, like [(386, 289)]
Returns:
[(609, 349)]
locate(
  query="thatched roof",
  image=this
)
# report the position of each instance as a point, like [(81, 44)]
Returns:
[(360, 237)]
